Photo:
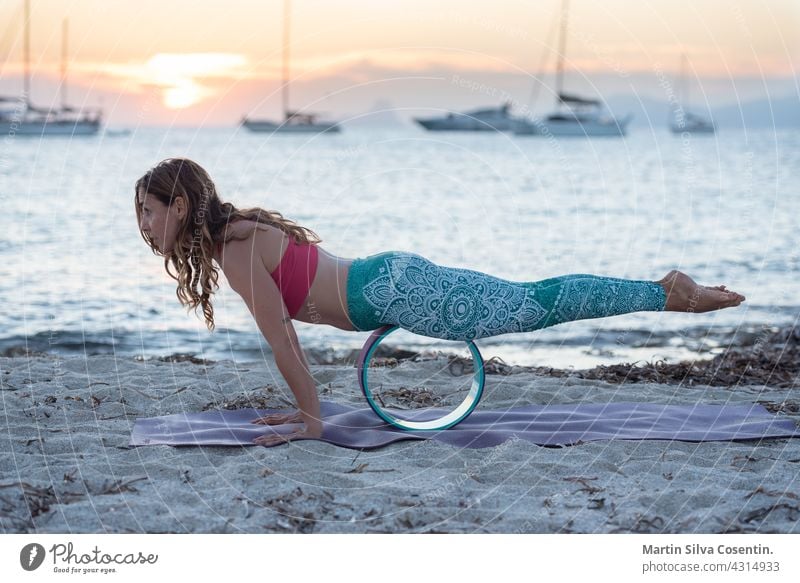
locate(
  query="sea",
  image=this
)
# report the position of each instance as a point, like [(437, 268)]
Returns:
[(77, 278)]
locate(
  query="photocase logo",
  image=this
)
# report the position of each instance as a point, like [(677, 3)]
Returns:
[(31, 556)]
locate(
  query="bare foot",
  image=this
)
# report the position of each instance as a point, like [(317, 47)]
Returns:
[(684, 295)]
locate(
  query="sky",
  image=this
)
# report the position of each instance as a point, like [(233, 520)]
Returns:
[(191, 62)]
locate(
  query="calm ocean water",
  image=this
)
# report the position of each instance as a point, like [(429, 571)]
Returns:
[(78, 279)]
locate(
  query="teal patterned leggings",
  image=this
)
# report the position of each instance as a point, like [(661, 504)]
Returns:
[(406, 290)]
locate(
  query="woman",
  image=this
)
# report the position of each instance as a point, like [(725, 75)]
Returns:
[(281, 272)]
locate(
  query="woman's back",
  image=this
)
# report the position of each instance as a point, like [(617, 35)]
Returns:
[(326, 302)]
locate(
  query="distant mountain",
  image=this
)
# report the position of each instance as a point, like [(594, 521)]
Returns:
[(382, 114), (783, 112), (780, 113)]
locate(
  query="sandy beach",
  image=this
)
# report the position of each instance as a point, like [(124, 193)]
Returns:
[(67, 467)]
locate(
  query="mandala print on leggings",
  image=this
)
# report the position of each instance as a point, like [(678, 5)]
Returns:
[(448, 302)]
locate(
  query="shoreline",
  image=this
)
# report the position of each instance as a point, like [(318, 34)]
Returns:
[(749, 357), (67, 466), (568, 349)]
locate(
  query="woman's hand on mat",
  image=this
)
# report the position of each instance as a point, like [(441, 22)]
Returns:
[(312, 430), (279, 418)]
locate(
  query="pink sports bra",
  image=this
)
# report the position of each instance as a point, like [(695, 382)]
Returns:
[(295, 273)]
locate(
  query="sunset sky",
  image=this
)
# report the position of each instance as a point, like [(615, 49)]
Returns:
[(210, 62)]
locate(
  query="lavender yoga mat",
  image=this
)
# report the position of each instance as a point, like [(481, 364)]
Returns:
[(361, 428)]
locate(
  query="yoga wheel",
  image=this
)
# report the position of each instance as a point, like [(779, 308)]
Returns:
[(450, 419)]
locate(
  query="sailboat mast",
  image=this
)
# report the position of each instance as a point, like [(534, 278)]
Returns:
[(27, 52), (684, 80), (562, 47), (64, 33), (285, 89)]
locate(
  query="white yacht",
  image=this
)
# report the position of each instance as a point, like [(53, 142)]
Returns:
[(574, 115), (34, 121), (692, 123), (293, 122), (19, 117), (495, 119), (681, 119)]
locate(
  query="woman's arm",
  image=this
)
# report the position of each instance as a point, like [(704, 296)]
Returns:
[(247, 276), (294, 368)]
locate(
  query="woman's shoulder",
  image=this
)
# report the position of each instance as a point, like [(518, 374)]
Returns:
[(245, 229), (266, 240)]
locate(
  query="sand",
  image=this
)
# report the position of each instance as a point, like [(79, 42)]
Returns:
[(66, 466)]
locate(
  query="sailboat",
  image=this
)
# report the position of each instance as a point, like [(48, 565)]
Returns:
[(18, 116), (574, 115), (681, 119), (293, 121), (484, 119)]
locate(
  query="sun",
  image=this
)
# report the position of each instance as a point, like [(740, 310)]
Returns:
[(179, 75), (183, 95)]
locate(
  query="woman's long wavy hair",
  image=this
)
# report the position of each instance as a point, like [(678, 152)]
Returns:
[(204, 226)]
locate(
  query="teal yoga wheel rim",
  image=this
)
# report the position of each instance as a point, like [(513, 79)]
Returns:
[(450, 419)]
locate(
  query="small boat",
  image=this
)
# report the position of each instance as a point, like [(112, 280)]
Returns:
[(33, 121), (574, 115), (18, 116), (692, 123), (117, 133), (681, 119), (494, 119), (293, 122)]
